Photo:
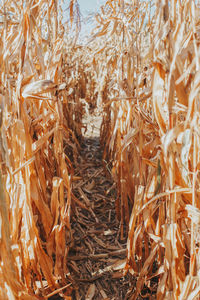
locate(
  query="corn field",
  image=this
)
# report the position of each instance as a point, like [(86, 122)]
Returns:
[(140, 70)]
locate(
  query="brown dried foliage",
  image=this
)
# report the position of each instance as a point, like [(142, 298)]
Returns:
[(36, 172), (149, 70), (142, 69)]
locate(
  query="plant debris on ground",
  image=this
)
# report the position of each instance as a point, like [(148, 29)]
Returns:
[(99, 151)]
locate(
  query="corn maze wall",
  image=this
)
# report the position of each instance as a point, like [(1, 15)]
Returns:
[(141, 69)]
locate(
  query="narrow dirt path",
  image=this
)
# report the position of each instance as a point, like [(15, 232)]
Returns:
[(97, 255)]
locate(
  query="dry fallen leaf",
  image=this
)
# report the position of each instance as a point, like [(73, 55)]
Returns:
[(91, 292)]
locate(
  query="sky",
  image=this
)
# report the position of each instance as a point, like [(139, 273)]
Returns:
[(88, 7)]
